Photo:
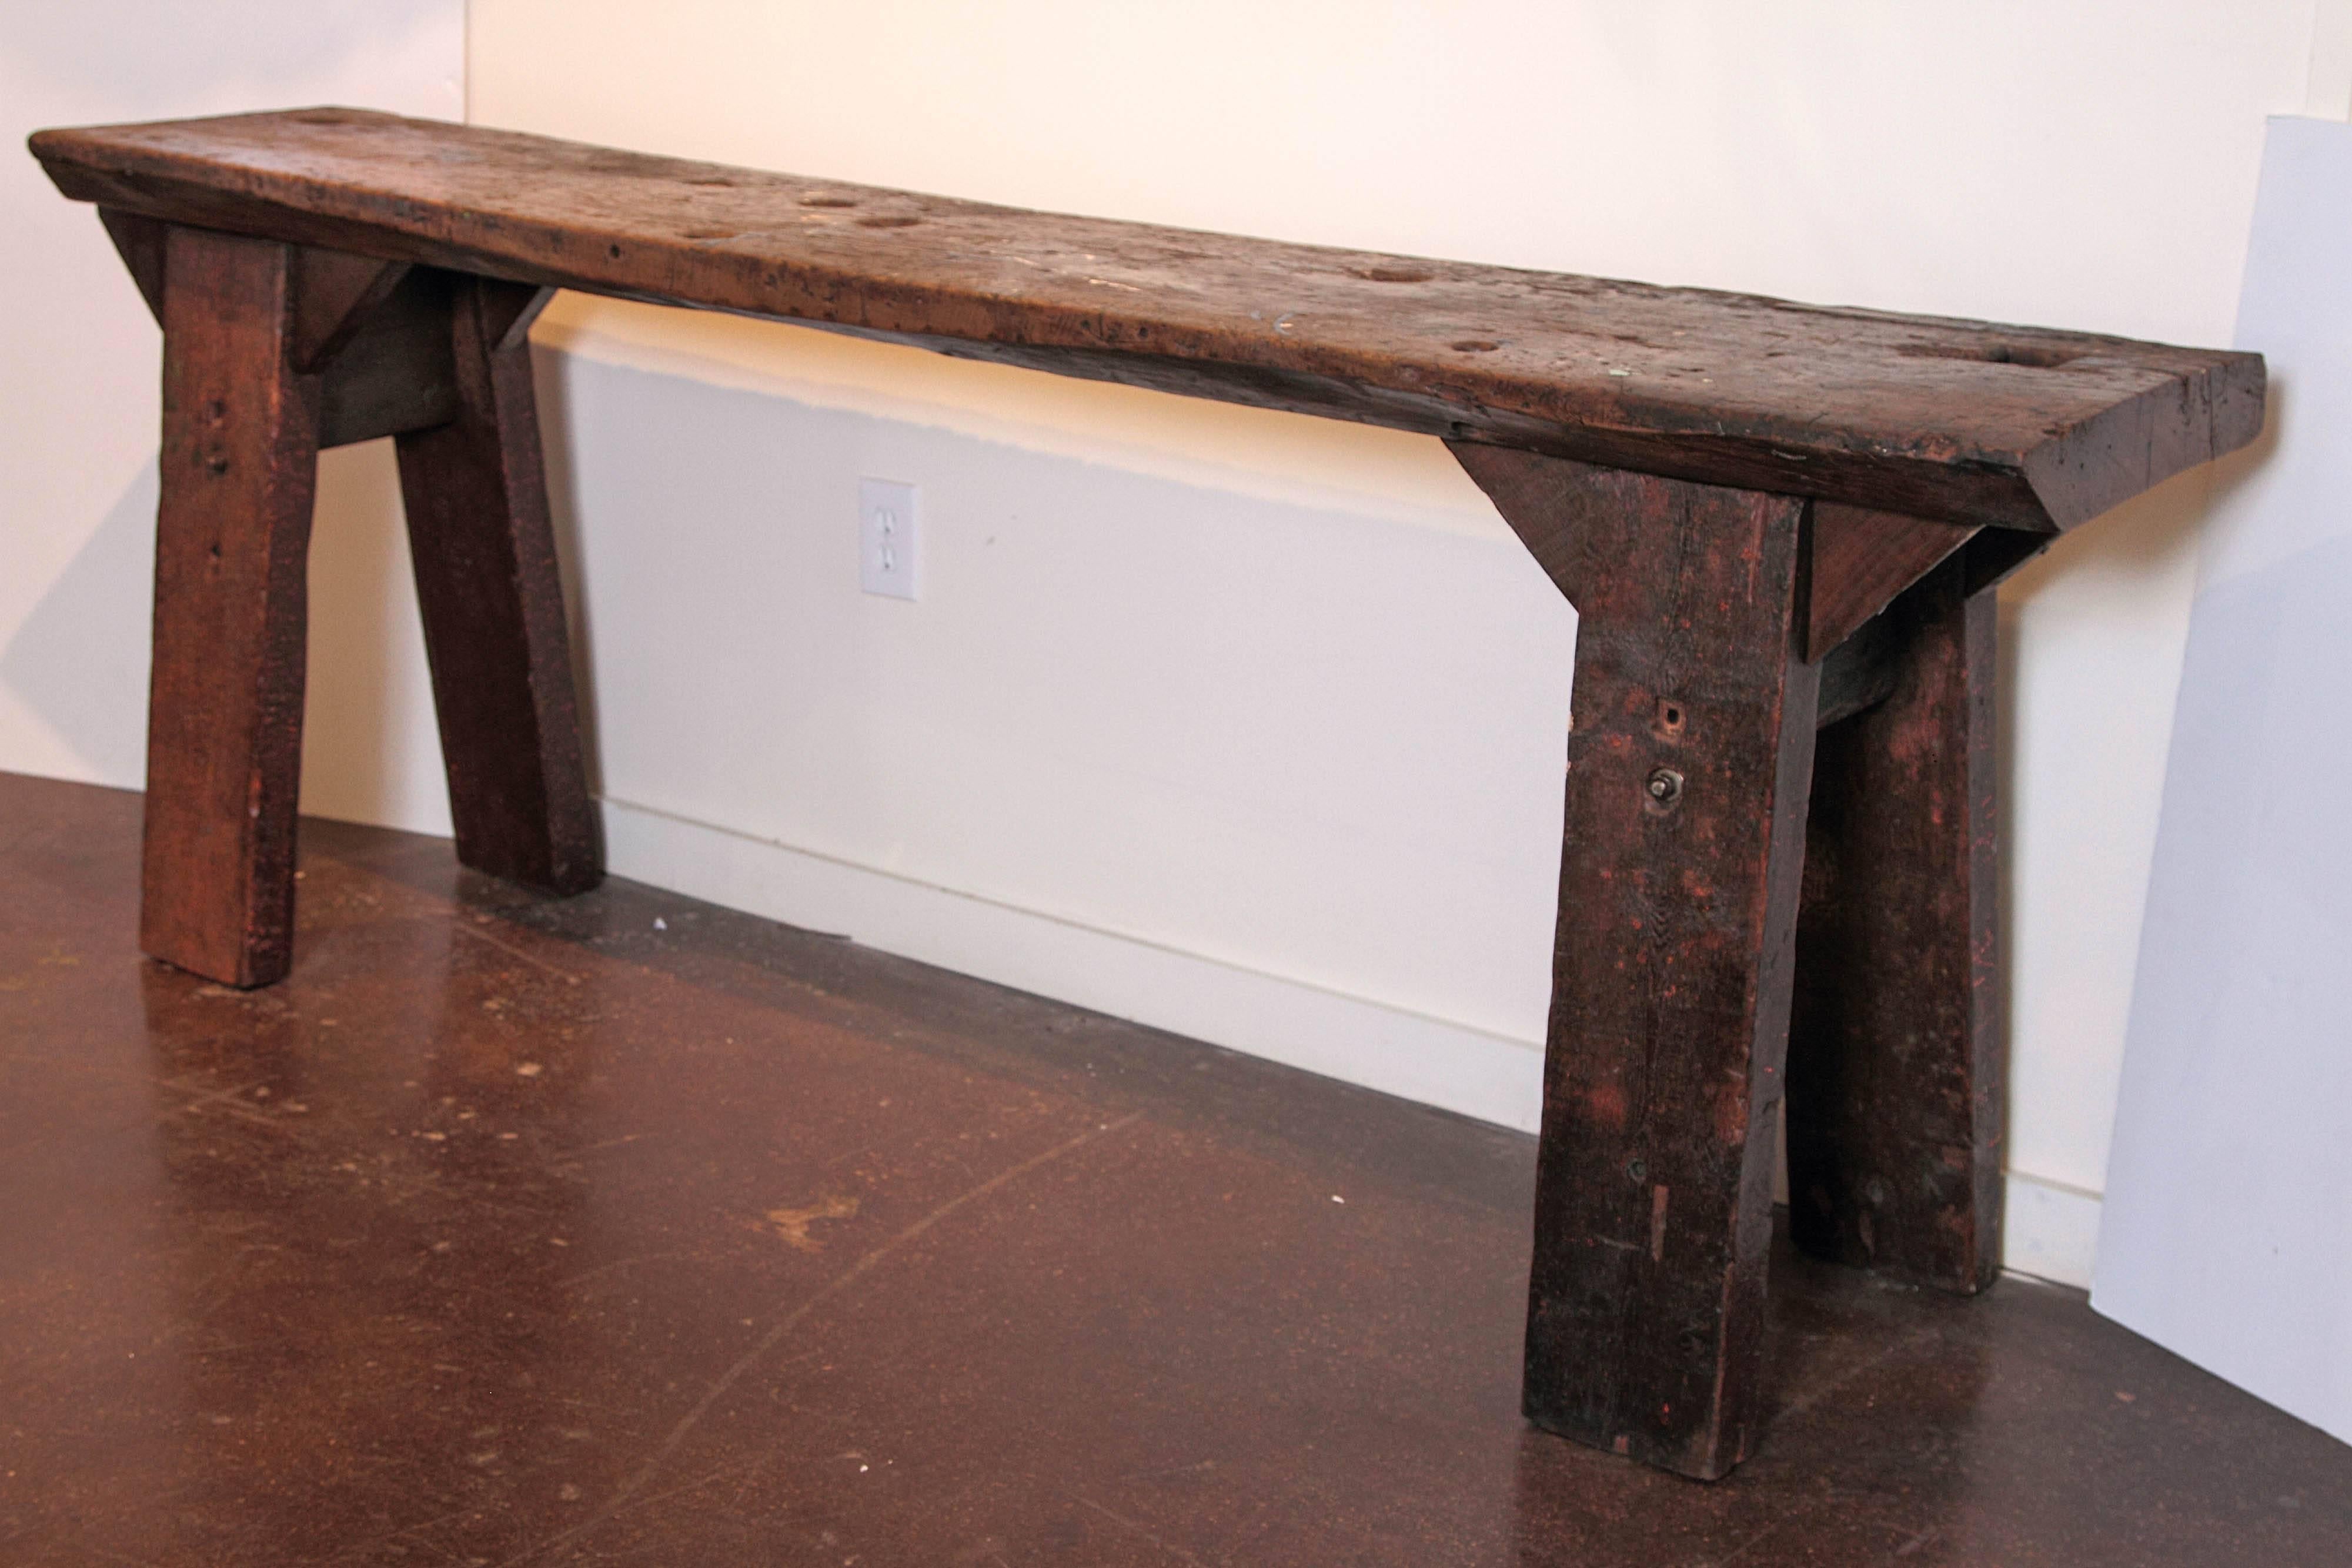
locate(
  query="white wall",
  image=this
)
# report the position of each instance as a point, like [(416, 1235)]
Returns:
[(1250, 725), (79, 363)]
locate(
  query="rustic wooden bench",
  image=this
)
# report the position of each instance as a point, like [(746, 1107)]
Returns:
[(1777, 524)]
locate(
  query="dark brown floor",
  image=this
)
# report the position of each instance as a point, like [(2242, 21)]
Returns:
[(631, 1230)]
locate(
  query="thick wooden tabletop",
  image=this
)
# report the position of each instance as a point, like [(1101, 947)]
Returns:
[(2011, 427)]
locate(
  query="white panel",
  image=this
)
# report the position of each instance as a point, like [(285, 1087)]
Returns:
[(2228, 1233)]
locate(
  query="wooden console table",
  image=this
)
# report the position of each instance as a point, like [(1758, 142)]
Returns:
[(1777, 524)]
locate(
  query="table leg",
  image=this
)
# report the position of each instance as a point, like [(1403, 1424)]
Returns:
[(486, 581), (1692, 739), (1896, 1057), (237, 467)]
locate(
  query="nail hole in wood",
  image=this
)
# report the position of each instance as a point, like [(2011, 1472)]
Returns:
[(2033, 356), (1476, 346), (884, 222)]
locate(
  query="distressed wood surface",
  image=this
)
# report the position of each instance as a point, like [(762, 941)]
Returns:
[(238, 467), (1896, 1057), (1857, 675), (141, 243), (1691, 737), (488, 583), (335, 294), (1776, 479), (1861, 560), (394, 370), (1962, 421), (271, 352)]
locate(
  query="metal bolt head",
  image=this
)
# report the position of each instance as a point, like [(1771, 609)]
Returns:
[(1637, 1170), (1664, 785)]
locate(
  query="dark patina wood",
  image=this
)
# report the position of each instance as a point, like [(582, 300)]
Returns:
[(1861, 559), (1691, 739), (377, 332), (1770, 517), (238, 461), (493, 606), (2012, 427), (141, 243), (1858, 673), (396, 372), (272, 353), (1897, 1056)]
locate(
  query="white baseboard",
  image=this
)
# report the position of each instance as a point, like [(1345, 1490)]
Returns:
[(1434, 1061), (2051, 1230)]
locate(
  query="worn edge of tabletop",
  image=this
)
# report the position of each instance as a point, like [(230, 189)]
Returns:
[(1969, 421)]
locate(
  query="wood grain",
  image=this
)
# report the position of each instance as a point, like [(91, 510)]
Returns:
[(335, 296), (1861, 560), (139, 242), (237, 467), (1692, 739), (1777, 478), (1965, 421), (1897, 1061), (487, 582), (395, 370), (1858, 673)]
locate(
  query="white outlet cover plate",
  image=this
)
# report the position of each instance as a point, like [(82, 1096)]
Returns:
[(889, 542)]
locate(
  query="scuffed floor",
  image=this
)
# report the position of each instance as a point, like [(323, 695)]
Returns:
[(626, 1229)]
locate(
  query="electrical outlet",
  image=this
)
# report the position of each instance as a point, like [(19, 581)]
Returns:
[(887, 541)]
